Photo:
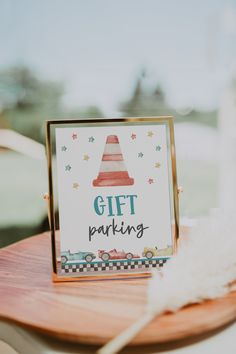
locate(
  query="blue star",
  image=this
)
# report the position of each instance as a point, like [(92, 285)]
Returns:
[(140, 154), (63, 148), (67, 167), (158, 148), (91, 139)]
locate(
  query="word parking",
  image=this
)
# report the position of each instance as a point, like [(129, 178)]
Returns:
[(116, 206)]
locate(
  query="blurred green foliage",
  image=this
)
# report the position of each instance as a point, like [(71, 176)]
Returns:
[(27, 101), (152, 102)]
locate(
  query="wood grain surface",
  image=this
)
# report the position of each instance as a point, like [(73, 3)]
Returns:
[(91, 312)]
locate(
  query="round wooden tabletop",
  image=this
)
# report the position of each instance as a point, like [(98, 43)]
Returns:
[(91, 312)]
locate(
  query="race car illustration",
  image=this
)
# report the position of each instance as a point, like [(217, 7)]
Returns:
[(79, 256), (150, 252), (114, 254)]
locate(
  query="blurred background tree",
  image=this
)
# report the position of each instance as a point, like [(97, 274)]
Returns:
[(26, 101), (151, 101), (145, 101)]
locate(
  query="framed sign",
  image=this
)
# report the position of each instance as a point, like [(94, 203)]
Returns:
[(113, 186)]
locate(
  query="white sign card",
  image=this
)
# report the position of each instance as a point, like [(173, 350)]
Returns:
[(115, 196)]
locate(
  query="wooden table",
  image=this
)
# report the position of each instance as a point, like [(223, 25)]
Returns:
[(91, 313), (26, 341)]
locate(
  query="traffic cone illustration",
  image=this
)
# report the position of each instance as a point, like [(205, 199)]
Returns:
[(113, 171)]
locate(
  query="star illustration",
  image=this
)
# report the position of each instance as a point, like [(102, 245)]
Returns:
[(140, 154), (158, 148), (150, 134), (74, 136), (157, 165), (68, 167), (86, 157), (91, 139), (75, 185), (133, 136), (150, 181), (63, 148)]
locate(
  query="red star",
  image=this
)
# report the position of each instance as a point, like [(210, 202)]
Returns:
[(74, 136), (150, 181), (133, 136)]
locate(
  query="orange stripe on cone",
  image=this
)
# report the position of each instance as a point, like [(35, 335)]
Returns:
[(112, 139), (112, 157), (115, 175)]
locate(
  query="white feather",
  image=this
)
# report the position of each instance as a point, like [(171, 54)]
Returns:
[(203, 268)]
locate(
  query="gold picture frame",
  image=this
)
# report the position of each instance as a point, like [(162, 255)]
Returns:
[(59, 271)]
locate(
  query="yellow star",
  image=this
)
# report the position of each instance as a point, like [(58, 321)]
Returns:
[(150, 134), (157, 165), (75, 185), (86, 157)]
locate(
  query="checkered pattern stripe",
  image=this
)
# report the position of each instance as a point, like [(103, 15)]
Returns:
[(126, 266)]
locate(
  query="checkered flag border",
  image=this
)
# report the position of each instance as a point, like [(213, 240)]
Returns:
[(113, 266)]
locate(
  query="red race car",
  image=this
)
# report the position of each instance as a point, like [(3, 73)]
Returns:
[(114, 254)]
